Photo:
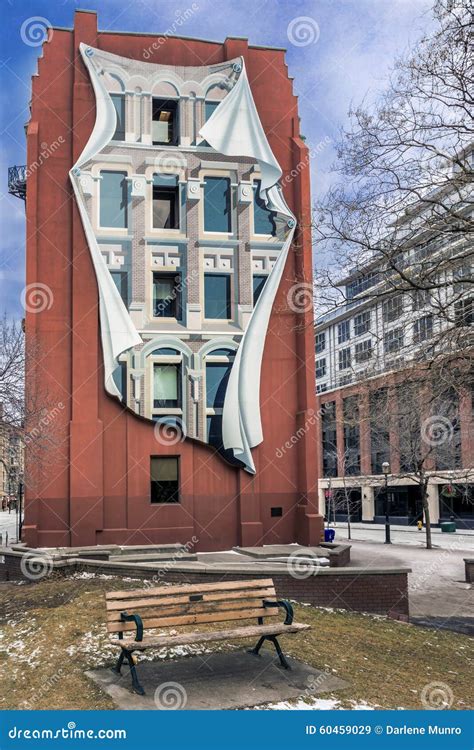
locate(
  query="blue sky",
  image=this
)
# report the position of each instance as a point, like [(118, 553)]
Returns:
[(338, 51)]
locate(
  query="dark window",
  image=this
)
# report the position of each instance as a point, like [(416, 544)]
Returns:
[(120, 279), (321, 367), (165, 479), (114, 192), (119, 104), (217, 205), (464, 312), (362, 323), (379, 433), (343, 331), (392, 308), (393, 340), (165, 122), (320, 342), (420, 298), (328, 416), (167, 295), (363, 351), (263, 219), (258, 284), (423, 329), (344, 359), (457, 500), (217, 296), (217, 376), (350, 409), (276, 512), (321, 387), (165, 202), (120, 379), (167, 386)]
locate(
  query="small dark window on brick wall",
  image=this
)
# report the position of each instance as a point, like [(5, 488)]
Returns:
[(276, 512)]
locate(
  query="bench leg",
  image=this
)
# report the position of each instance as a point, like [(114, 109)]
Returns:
[(280, 653), (118, 666), (257, 647), (136, 687)]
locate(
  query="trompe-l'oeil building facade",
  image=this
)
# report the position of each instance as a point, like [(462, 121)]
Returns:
[(174, 259)]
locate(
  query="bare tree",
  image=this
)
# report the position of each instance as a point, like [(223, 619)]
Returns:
[(30, 416), (399, 218)]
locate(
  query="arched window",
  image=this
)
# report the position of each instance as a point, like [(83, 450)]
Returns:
[(166, 383), (218, 364)]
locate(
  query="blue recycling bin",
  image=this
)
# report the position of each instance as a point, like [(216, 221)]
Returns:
[(329, 535)]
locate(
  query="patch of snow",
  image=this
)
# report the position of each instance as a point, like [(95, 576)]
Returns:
[(315, 704)]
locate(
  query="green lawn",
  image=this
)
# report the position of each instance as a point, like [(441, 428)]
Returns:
[(52, 631)]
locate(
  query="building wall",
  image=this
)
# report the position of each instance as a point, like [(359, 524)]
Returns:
[(96, 486), (367, 478)]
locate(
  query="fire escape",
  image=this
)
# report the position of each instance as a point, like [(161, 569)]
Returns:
[(17, 181)]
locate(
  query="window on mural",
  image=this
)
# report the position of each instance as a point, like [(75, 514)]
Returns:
[(164, 128), (217, 296), (258, 284), (165, 202), (120, 279), (167, 295), (263, 219), (217, 205), (164, 483), (167, 386), (209, 109), (114, 193), (120, 379), (118, 101), (218, 367)]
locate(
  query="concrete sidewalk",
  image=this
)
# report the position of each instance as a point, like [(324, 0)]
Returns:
[(462, 539), (438, 594)]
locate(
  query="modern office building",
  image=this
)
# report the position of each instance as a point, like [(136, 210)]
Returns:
[(168, 252), (364, 350)]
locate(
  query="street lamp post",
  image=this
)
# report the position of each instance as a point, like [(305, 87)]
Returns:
[(386, 471)]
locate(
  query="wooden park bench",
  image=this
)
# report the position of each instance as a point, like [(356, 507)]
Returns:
[(146, 610)]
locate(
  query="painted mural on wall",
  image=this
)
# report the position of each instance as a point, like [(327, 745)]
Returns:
[(188, 230)]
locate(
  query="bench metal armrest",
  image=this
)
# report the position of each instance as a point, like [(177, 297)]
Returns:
[(284, 605), (138, 624)]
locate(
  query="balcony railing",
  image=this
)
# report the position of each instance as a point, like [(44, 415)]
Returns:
[(17, 181)]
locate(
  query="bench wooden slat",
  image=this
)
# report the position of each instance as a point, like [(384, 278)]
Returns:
[(224, 586), (136, 604), (160, 622), (158, 612), (184, 639)]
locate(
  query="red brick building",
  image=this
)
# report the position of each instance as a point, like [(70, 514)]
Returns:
[(105, 481)]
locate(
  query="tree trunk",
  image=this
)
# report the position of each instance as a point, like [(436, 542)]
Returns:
[(426, 511)]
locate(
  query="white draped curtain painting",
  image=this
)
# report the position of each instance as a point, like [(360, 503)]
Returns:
[(233, 129)]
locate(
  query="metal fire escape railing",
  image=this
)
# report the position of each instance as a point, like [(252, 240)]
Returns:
[(17, 181)]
